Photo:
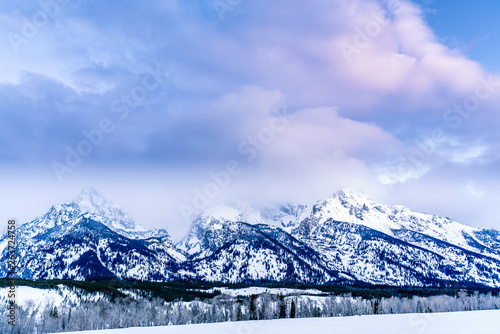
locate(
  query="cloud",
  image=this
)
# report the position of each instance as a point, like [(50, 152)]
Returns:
[(314, 150), (472, 190), (467, 194), (364, 84)]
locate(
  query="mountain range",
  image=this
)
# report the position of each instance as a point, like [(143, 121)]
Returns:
[(345, 238)]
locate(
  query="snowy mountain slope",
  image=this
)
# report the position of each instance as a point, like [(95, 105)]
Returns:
[(230, 251), (375, 257), (285, 215), (211, 229), (354, 207), (403, 247), (358, 238), (90, 250), (92, 238), (111, 215), (62, 217)]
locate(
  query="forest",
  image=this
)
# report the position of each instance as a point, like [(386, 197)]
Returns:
[(150, 304)]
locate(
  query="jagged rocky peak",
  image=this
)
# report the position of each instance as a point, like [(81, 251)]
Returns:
[(90, 200), (285, 215), (91, 203), (349, 196), (344, 203), (216, 224), (219, 216), (234, 211)]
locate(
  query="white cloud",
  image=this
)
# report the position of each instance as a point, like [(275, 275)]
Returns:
[(472, 190)]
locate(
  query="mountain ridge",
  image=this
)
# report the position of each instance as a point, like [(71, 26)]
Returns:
[(346, 237)]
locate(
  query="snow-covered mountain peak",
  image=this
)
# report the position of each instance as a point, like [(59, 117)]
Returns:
[(346, 205), (286, 215), (104, 210), (222, 212), (90, 204), (352, 197), (235, 211), (90, 200), (212, 226), (354, 207)]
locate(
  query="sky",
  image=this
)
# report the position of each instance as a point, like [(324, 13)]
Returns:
[(168, 106)]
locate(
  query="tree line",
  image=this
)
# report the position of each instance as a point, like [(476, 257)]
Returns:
[(142, 311)]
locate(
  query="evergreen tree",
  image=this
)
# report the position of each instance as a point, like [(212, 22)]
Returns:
[(282, 306), (253, 307), (239, 313), (376, 304), (293, 309)]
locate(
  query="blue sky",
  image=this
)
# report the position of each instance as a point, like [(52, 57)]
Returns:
[(469, 26), (149, 102)]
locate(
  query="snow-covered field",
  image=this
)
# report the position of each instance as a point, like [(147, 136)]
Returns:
[(258, 290), (57, 297), (479, 322)]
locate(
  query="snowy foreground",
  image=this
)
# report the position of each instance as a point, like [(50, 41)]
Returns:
[(480, 322)]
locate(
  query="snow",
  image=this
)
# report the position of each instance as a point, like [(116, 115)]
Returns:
[(57, 297), (286, 216), (92, 202), (38, 296), (234, 212), (259, 290), (479, 322), (355, 207), (240, 258), (3, 244)]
